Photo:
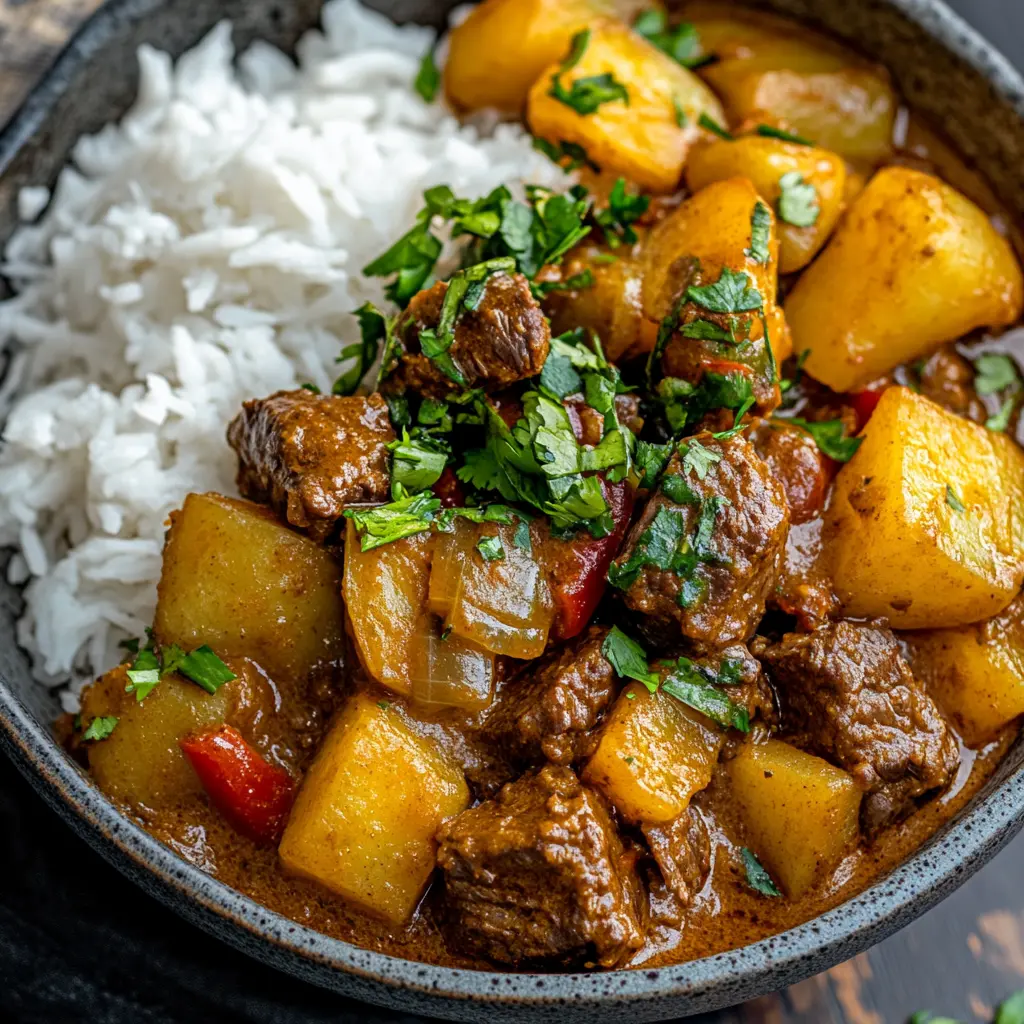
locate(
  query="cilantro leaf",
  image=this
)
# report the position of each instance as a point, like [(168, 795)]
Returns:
[(586, 95), (577, 282), (663, 544), (770, 132), (416, 464), (428, 78), (677, 490), (830, 436), (559, 376), (953, 500), (205, 669), (144, 674), (1001, 420), (760, 233), (706, 330), (707, 122), (374, 327), (479, 470), (697, 459), (1012, 1010), (733, 292), (623, 210), (798, 204), (685, 404), (994, 372), (651, 460), (100, 728), (490, 549), (628, 658), (412, 258), (570, 156), (384, 524), (697, 687), (681, 42), (757, 878)]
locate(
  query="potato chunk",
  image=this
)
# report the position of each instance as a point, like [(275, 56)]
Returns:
[(654, 754), (769, 66), (238, 579), (647, 139), (800, 812), (975, 673), (913, 264), (364, 821), (926, 521), (765, 161), (496, 54)]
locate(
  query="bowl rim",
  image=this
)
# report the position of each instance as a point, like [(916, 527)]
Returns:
[(987, 823)]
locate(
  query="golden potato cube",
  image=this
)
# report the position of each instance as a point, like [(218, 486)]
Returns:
[(927, 519), (800, 812), (238, 579), (975, 673), (364, 821), (768, 66), (654, 754), (715, 227), (140, 762), (765, 161), (385, 595), (497, 53), (645, 140), (913, 264)]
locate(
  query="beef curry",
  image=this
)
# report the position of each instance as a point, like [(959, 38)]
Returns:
[(661, 589)]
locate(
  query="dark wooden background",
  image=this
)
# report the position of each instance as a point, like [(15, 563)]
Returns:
[(78, 943)]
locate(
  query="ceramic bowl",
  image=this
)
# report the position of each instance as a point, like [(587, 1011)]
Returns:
[(949, 74)]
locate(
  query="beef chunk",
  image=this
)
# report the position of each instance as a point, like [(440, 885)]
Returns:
[(552, 710), (706, 552), (540, 876), (948, 379), (796, 461), (848, 695), (311, 456), (503, 340), (682, 852)]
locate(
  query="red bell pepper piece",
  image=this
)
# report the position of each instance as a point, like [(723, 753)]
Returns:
[(253, 795), (579, 576), (449, 490), (864, 404)]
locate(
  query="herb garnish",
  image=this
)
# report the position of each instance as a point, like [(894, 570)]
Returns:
[(408, 515), (953, 501), (707, 122), (770, 132), (416, 463), (428, 78), (830, 436), (681, 42), (202, 666), (996, 372), (757, 877), (490, 549), (571, 156), (628, 658), (798, 203), (622, 211), (760, 233), (100, 728), (733, 292), (585, 95), (699, 687), (374, 327)]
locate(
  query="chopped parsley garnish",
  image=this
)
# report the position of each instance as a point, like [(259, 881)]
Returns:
[(144, 674), (733, 292), (700, 688), (1001, 420), (623, 210), (100, 728), (628, 658), (374, 327), (205, 669), (416, 464), (685, 404), (559, 376), (697, 459), (650, 460), (570, 156), (789, 383), (953, 501), (760, 233), (681, 42), (996, 372), (202, 666), (490, 549), (770, 132), (707, 122), (428, 78), (798, 202), (664, 545), (677, 108), (707, 330), (384, 524), (677, 490), (310, 387), (757, 878), (831, 437), (585, 95)]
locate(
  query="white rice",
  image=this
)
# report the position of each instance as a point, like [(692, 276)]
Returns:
[(205, 250)]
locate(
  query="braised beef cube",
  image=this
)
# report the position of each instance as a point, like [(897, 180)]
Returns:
[(947, 378), (552, 710), (310, 456), (706, 552), (503, 340), (848, 695), (682, 851), (540, 876), (796, 461), (740, 676)]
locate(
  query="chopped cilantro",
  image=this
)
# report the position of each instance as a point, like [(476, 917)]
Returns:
[(100, 728), (129, 644), (387, 523), (570, 156), (707, 122), (737, 422), (383, 705), (205, 669), (953, 501), (697, 459), (374, 327), (411, 259), (559, 376), (677, 490), (416, 464), (769, 132), (706, 330), (831, 437), (144, 674), (681, 42), (733, 292), (623, 210), (490, 549), (585, 95), (577, 282), (310, 387), (651, 460), (700, 688), (677, 108), (1012, 1010), (1001, 420), (994, 372), (760, 233), (757, 878), (798, 203), (628, 658), (663, 544), (428, 78), (685, 404), (521, 538)]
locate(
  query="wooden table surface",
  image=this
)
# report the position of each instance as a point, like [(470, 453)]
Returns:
[(961, 959)]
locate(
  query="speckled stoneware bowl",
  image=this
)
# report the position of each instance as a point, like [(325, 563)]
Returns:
[(948, 73)]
